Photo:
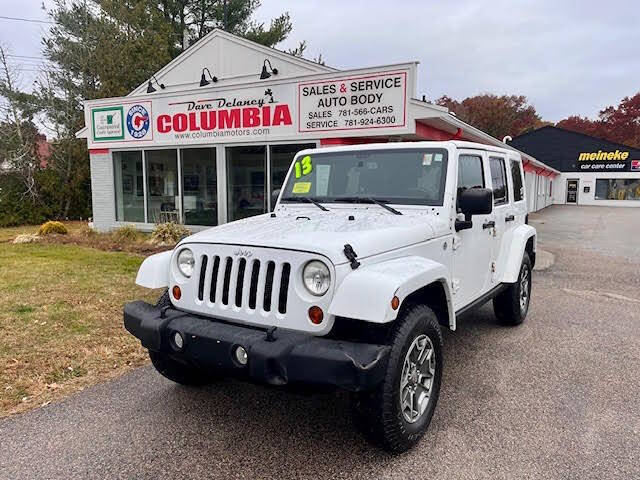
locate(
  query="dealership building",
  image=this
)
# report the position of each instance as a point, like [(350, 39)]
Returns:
[(593, 171), (212, 134)]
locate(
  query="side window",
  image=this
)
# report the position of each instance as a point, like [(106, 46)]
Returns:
[(470, 172), (499, 181), (516, 175)]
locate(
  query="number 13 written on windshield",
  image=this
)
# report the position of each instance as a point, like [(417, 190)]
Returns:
[(303, 167)]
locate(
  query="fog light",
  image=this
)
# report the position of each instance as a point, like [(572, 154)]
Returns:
[(316, 315), (177, 293), (241, 356), (178, 341)]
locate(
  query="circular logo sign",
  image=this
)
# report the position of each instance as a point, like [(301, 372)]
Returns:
[(138, 121)]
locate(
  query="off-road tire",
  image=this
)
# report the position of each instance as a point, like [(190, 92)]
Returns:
[(377, 413), (506, 305), (178, 372)]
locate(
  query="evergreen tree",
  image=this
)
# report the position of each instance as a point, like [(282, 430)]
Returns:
[(106, 48)]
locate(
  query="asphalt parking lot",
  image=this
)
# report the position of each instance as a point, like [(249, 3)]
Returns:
[(554, 398)]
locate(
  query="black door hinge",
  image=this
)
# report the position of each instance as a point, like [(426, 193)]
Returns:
[(351, 256)]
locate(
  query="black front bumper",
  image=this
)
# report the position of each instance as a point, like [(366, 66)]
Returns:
[(287, 357)]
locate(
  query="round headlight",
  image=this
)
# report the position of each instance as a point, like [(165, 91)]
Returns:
[(186, 262), (316, 277)]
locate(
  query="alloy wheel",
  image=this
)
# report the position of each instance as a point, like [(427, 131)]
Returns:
[(416, 381), (524, 288)]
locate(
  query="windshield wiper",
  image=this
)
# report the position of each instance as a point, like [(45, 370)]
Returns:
[(377, 201), (308, 200)]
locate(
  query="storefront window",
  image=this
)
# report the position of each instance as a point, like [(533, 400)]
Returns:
[(618, 189), (246, 167), (162, 186), (281, 157), (199, 189), (129, 186)]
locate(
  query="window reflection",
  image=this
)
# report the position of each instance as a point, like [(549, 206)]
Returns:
[(617, 189), (129, 188), (199, 188), (162, 186), (246, 181)]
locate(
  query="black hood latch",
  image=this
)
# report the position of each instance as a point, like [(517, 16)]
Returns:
[(351, 256)]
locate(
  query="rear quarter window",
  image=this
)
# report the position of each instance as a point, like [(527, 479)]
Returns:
[(518, 184), (499, 181)]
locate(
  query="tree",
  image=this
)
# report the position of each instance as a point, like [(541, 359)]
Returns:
[(18, 133), (496, 115), (22, 198), (619, 124), (584, 125), (98, 49), (190, 20), (106, 48)]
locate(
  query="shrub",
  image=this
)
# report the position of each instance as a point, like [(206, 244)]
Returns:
[(50, 227), (26, 238), (15, 208), (126, 234), (87, 231), (169, 233)]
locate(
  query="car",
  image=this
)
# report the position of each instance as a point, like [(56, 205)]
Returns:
[(369, 252)]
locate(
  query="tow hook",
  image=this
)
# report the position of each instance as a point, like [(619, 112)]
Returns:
[(271, 334)]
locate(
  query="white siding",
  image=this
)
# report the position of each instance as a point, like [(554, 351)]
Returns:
[(539, 190), (102, 191), (589, 180)]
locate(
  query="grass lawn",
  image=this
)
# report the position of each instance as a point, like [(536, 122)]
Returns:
[(61, 319), (8, 234)]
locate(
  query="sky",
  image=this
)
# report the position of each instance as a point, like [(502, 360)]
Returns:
[(567, 57)]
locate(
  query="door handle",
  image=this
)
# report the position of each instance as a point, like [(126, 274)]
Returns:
[(509, 218), (490, 224)]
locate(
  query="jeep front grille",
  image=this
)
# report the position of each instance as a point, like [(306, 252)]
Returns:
[(244, 283)]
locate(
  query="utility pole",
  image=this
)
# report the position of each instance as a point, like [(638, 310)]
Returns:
[(225, 18)]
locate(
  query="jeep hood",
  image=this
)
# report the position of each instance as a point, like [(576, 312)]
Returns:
[(326, 233)]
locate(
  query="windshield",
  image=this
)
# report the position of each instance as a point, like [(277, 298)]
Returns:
[(403, 177)]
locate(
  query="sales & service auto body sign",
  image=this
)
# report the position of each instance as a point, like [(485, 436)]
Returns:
[(356, 103), (340, 104)]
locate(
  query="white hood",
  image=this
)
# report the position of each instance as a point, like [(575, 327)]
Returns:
[(309, 229)]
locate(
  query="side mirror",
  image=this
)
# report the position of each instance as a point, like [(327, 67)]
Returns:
[(274, 197), (473, 201)]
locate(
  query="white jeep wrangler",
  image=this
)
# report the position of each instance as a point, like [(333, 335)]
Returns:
[(369, 251)]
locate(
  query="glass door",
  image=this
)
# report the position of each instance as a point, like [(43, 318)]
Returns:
[(162, 186), (199, 186), (246, 175), (572, 191), (128, 181)]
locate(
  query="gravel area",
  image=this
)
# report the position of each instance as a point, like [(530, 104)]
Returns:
[(554, 398)]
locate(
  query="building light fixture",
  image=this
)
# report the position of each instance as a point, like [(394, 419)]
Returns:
[(150, 88), (265, 73), (203, 79)]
